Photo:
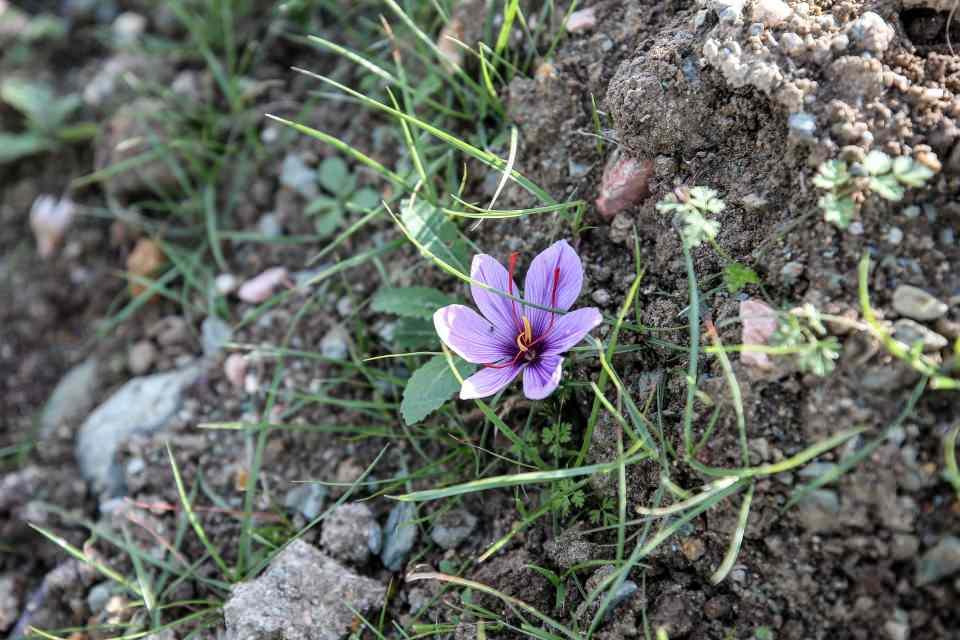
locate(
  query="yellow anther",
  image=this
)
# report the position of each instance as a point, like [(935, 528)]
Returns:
[(527, 330)]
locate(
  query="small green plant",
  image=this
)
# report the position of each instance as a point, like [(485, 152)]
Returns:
[(605, 514), (803, 334), (846, 186), (45, 116), (342, 194), (692, 209), (555, 437)]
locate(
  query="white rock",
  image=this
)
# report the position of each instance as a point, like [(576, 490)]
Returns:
[(226, 283), (771, 13), (49, 220), (72, 398), (871, 33)]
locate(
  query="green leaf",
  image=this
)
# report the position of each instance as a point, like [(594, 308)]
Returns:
[(321, 204), (430, 387), (832, 174), (38, 103), (365, 198), (839, 211), (737, 276), (414, 333), (432, 229), (910, 173), (413, 302), (877, 163), (13, 147), (887, 187), (329, 222), (333, 174)]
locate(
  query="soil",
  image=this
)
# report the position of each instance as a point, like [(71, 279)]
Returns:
[(707, 96)]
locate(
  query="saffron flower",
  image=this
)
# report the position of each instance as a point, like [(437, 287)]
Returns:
[(511, 337)]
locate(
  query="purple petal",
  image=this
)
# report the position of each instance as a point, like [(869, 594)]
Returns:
[(569, 329), (542, 376), (502, 312), (471, 336), (488, 381), (556, 268)]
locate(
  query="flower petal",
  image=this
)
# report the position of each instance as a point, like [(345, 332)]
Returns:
[(556, 268), (542, 376), (569, 329), (502, 312), (488, 381), (471, 336)]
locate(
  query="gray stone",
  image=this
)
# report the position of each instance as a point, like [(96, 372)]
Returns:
[(897, 630), (818, 511), (452, 528), (98, 596), (306, 499), (904, 546), (939, 562), (72, 398), (142, 405), (214, 335), (351, 533), (916, 303), (303, 595), (335, 344), (399, 535), (623, 593), (909, 332)]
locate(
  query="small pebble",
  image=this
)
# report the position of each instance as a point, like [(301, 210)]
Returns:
[(601, 297), (939, 562), (791, 272), (771, 13), (916, 303), (306, 499), (235, 369), (262, 287), (269, 226), (625, 182), (909, 332), (226, 283), (351, 533), (214, 335), (141, 357), (49, 220), (894, 236), (452, 528), (335, 344), (802, 124), (871, 32), (582, 20), (759, 322), (399, 536)]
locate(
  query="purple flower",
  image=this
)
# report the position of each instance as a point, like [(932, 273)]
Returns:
[(511, 337)]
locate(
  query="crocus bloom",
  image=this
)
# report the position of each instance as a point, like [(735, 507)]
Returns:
[(511, 337)]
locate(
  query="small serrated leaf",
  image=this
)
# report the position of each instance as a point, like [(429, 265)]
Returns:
[(430, 387), (887, 187), (413, 302), (737, 276), (910, 173), (832, 174), (839, 211)]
